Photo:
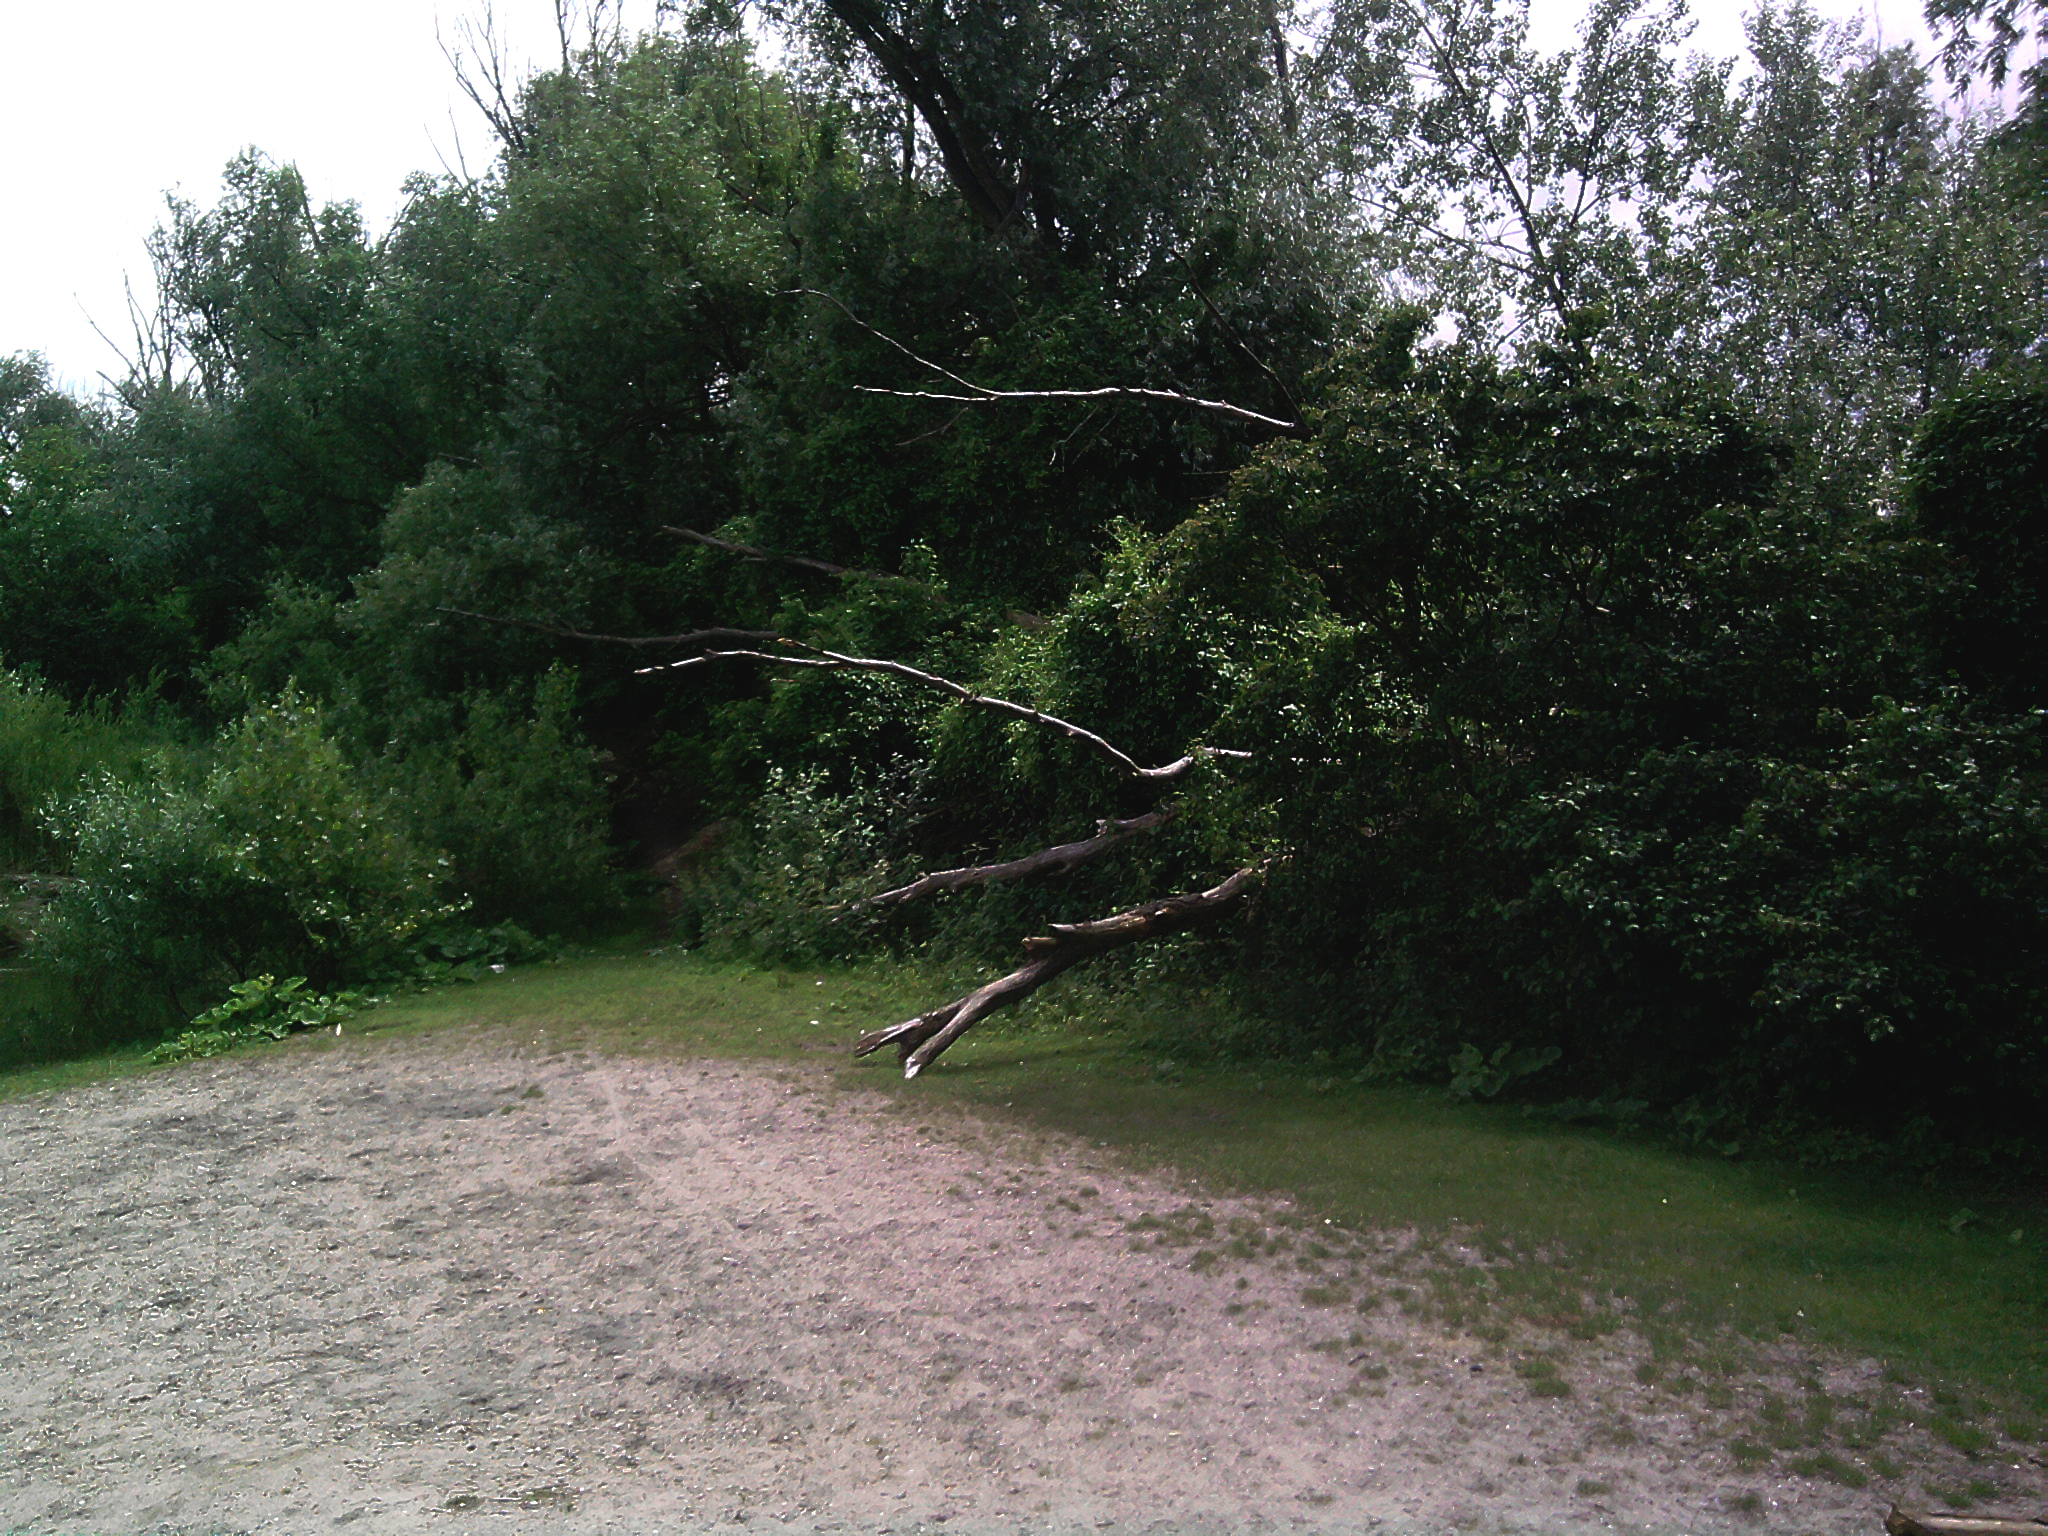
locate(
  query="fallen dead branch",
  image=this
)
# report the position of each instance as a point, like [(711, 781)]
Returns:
[(1056, 860), (818, 657), (1907, 1522), (756, 556), (921, 1040), (981, 394)]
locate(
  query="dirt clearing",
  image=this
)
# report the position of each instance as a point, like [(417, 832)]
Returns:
[(447, 1286)]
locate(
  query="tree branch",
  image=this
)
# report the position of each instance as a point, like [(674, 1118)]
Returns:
[(921, 1040), (1047, 861), (981, 394), (834, 661), (967, 156), (764, 556), (1115, 391), (694, 637)]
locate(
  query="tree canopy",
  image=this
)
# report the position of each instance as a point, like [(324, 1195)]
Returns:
[(1480, 550)]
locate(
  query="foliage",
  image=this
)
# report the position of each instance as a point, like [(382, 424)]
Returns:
[(517, 801), (1980, 485), (1632, 635), (48, 748), (782, 888), (1474, 1073), (278, 857), (261, 1008)]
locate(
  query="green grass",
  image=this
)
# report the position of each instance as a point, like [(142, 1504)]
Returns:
[(43, 1023), (1696, 1251)]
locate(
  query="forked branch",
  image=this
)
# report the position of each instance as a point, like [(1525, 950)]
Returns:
[(833, 661), (920, 1041)]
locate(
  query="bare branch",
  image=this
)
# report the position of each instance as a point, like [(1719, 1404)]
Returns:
[(1109, 392), (981, 394), (694, 637), (883, 336), (834, 661), (764, 556), (922, 1040), (492, 91), (1047, 861)]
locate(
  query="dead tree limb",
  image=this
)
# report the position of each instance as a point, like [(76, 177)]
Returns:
[(921, 1040), (767, 556), (1047, 861), (826, 660), (981, 394), (693, 637), (1907, 1522)]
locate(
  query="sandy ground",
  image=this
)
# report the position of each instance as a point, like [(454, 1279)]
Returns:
[(449, 1286)]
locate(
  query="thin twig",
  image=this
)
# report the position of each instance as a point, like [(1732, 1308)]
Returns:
[(1108, 392)]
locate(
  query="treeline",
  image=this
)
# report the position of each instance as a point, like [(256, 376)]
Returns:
[(1592, 504)]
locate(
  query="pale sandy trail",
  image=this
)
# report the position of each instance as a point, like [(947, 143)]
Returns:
[(447, 1286)]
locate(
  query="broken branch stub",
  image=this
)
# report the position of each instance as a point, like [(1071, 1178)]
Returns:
[(921, 1040)]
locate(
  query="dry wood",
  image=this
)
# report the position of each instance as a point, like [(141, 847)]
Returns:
[(921, 1040), (981, 394), (766, 556), (1056, 860), (818, 657), (693, 637), (984, 396), (1907, 1522)]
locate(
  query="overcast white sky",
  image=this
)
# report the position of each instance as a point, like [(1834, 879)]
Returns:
[(104, 108)]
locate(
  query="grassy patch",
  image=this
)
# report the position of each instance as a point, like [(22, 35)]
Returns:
[(1702, 1246), (1748, 1454), (43, 1024), (1602, 1231)]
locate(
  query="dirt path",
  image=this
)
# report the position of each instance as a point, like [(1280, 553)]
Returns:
[(453, 1287)]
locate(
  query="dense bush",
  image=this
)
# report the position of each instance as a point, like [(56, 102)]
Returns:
[(281, 857), (1579, 731), (516, 799), (50, 745)]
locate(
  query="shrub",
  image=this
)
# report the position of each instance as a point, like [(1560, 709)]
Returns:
[(784, 883), (48, 747), (282, 858), (261, 1008), (517, 800)]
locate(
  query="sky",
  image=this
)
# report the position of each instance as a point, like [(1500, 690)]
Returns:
[(109, 107)]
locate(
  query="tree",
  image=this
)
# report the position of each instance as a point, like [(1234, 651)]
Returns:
[(1536, 193)]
